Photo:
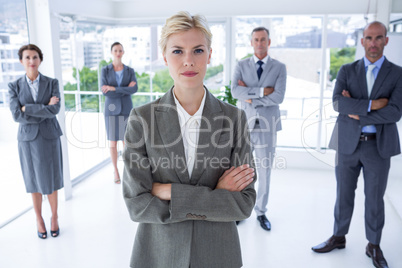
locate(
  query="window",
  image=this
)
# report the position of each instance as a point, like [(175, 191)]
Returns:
[(81, 54), (13, 35), (296, 42)]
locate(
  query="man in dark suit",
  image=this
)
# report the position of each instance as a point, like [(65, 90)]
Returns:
[(368, 97), (259, 82)]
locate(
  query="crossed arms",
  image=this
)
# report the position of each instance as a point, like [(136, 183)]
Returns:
[(118, 92), (34, 112), (383, 110), (151, 201), (273, 94)]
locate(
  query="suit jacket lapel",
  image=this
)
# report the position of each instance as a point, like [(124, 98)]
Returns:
[(266, 70), (382, 74), (43, 86), (212, 120), (125, 81), (361, 76), (112, 76), (168, 128), (25, 90), (253, 68)]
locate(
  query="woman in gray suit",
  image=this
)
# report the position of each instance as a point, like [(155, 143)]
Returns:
[(34, 103), (187, 177), (118, 84)]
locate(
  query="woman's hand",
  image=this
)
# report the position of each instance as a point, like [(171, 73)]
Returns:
[(162, 191), (53, 100), (132, 83), (106, 88), (236, 179)]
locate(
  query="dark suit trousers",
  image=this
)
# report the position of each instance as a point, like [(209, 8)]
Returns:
[(375, 173)]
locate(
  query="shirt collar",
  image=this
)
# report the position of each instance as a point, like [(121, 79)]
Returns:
[(264, 60), (32, 82), (184, 117), (378, 63)]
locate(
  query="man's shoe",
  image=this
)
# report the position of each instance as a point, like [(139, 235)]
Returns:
[(264, 222), (332, 243), (375, 253)]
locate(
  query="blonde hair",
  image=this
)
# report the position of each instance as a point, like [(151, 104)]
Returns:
[(181, 22)]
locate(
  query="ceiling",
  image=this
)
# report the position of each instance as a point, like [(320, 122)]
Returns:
[(140, 9)]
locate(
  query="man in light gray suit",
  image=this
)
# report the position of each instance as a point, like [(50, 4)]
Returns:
[(259, 82), (368, 97)]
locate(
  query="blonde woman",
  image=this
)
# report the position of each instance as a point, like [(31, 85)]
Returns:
[(187, 175)]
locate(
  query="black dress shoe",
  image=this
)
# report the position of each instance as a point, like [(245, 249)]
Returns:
[(264, 222), (332, 243), (375, 253)]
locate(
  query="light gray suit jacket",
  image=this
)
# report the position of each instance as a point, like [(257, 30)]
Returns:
[(38, 116), (197, 227), (119, 101), (388, 84), (274, 75)]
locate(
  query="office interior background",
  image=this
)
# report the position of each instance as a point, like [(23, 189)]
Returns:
[(313, 38)]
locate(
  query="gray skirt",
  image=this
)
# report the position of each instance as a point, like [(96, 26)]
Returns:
[(41, 164), (116, 127)]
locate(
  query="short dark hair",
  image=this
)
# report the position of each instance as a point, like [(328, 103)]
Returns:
[(115, 44), (261, 28), (30, 47), (377, 23)]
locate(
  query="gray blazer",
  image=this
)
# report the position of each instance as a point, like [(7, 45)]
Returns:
[(388, 84), (38, 116), (197, 227), (274, 75), (119, 101)]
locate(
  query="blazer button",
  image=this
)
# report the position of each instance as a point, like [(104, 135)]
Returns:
[(112, 107)]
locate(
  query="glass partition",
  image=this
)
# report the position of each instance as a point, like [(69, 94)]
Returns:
[(296, 41), (13, 34)]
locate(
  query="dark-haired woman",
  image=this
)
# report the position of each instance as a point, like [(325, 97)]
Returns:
[(34, 103), (118, 84)]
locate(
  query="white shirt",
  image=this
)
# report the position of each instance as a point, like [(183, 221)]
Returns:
[(190, 130), (33, 86)]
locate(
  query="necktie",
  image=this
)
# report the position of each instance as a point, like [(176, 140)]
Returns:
[(370, 78), (259, 71)]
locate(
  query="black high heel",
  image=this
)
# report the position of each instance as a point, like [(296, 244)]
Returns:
[(54, 233), (42, 235)]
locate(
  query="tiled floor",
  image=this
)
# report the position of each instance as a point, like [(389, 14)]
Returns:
[(96, 230)]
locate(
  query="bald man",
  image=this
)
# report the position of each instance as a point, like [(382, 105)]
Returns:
[(368, 97)]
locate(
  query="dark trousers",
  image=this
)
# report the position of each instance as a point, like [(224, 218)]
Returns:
[(375, 173)]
